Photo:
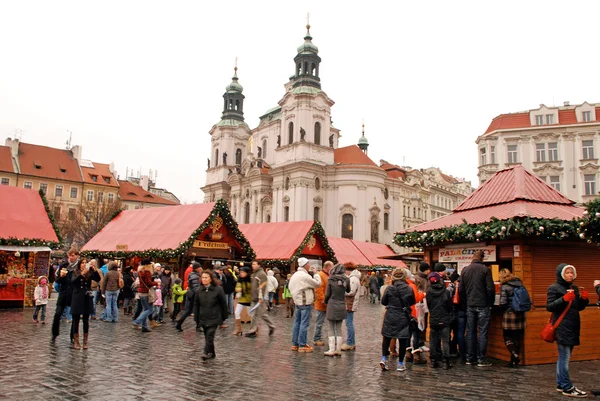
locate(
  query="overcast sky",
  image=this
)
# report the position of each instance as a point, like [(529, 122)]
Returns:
[(140, 83)]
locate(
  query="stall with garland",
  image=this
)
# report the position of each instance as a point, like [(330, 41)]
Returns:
[(173, 235), (281, 244), (27, 236), (522, 224), (368, 256)]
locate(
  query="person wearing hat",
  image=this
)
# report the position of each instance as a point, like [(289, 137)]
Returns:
[(302, 286), (439, 302), (193, 285), (258, 290), (477, 288)]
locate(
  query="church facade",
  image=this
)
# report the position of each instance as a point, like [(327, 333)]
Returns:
[(291, 168)]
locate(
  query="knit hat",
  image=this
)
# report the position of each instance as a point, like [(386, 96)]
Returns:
[(399, 274), (409, 275), (40, 278), (454, 276), (434, 277), (424, 266), (146, 262), (302, 262), (195, 265), (439, 267), (177, 281)]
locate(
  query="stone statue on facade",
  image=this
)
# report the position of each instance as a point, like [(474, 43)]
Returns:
[(331, 141), (259, 152), (279, 140), (302, 134), (224, 158), (208, 163)]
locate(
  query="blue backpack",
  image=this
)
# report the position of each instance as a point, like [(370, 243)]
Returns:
[(521, 302)]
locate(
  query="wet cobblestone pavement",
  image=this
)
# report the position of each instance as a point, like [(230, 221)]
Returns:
[(125, 364)]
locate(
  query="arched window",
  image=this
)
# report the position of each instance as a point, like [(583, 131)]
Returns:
[(348, 226), (316, 213), (313, 68), (305, 68), (290, 133), (317, 183), (268, 218), (386, 193), (286, 213), (247, 213), (287, 183), (318, 133), (264, 149), (230, 104), (386, 221), (237, 105), (238, 156), (298, 68), (216, 157)]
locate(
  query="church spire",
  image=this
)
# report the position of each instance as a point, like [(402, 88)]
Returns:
[(307, 63), (363, 143), (233, 107)]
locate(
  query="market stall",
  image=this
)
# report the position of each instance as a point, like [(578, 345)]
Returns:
[(172, 235), (524, 225), (27, 234), (366, 255)]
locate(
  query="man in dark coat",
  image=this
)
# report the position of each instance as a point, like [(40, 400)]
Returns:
[(440, 305), (63, 277), (210, 310), (193, 285), (477, 287)]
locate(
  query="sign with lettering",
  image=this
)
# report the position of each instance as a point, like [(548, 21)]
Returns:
[(465, 254), (122, 247), (210, 245)]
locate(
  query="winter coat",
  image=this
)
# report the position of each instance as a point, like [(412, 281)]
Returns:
[(259, 284), (126, 291), (95, 284), (373, 285), (418, 297), (320, 304), (477, 285), (244, 287), (186, 276), (65, 292), (145, 281), (302, 286), (422, 282), (511, 320), (210, 306), (166, 282), (110, 281), (439, 303), (353, 296), (335, 296), (272, 283), (398, 299), (178, 294), (567, 332), (159, 298), (81, 300), (229, 284), (193, 284), (38, 295)]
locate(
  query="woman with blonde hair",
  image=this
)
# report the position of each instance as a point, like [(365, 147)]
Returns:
[(513, 322)]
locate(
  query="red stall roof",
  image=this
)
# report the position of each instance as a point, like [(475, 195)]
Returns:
[(23, 215), (276, 240), (346, 251), (154, 228), (374, 251)]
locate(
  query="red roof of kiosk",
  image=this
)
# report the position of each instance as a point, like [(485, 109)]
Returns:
[(374, 251), (512, 192), (276, 240), (153, 228), (346, 251), (23, 215)]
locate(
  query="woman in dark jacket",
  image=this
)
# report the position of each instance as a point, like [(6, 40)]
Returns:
[(127, 291), (513, 323), (560, 294), (82, 301), (398, 299), (210, 310), (335, 298)]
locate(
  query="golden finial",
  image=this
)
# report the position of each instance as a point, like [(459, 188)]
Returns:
[(307, 24), (363, 127), (235, 68)]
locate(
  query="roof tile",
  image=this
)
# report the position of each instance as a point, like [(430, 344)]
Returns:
[(102, 172), (134, 193), (351, 155), (53, 163), (23, 215), (6, 163)]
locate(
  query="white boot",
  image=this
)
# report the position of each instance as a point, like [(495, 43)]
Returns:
[(331, 351), (338, 346)]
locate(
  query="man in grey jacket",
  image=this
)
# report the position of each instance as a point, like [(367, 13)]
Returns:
[(258, 291), (302, 287)]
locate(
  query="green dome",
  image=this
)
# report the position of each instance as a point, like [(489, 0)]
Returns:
[(308, 46), (363, 140), (234, 86)]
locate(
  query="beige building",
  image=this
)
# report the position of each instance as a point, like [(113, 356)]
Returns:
[(558, 144), (291, 168)]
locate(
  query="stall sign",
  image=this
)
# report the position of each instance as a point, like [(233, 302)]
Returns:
[(461, 255), (122, 247), (210, 245)]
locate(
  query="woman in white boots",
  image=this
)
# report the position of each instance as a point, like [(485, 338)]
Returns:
[(335, 298)]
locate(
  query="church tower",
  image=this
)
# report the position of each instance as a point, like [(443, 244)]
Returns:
[(363, 143), (307, 64)]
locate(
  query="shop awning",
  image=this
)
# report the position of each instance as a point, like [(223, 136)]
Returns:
[(374, 251), (153, 228), (11, 248), (276, 240), (346, 251), (23, 215)]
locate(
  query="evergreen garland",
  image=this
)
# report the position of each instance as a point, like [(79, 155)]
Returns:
[(51, 217)]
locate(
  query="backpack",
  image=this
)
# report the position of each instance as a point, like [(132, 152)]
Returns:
[(521, 302)]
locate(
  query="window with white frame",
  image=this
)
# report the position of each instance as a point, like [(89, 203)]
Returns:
[(589, 181), (588, 149), (539, 120), (111, 198), (5, 181), (540, 152), (549, 119), (555, 182), (553, 151), (58, 189), (513, 155), (43, 188), (482, 157), (90, 196), (27, 185), (100, 197), (587, 116), (74, 192), (493, 154)]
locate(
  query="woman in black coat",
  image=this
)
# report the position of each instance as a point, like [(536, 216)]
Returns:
[(560, 294), (338, 285), (210, 310), (398, 299), (127, 291), (82, 301)]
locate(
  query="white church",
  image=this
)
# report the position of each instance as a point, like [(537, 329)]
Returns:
[(290, 167)]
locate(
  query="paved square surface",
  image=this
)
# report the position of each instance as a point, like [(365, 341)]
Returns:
[(125, 364)]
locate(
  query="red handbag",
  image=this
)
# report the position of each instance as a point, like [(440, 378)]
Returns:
[(547, 333), (456, 297)]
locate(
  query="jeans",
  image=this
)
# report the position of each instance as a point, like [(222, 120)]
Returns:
[(229, 298), (350, 328), (439, 342), (189, 309), (127, 303), (301, 322), (112, 313), (147, 310), (94, 302), (562, 367), (277, 296), (67, 313), (319, 320), (37, 309), (477, 317)]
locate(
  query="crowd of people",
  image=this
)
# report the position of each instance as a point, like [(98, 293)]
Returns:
[(457, 315)]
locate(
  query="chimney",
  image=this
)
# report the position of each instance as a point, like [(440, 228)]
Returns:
[(566, 103), (13, 144), (76, 151), (144, 182), (111, 168)]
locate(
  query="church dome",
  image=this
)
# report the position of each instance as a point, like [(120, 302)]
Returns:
[(308, 46), (234, 86), (363, 140)]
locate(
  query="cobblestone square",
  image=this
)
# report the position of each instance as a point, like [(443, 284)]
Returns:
[(125, 364)]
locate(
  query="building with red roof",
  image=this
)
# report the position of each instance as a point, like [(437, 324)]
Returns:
[(558, 144)]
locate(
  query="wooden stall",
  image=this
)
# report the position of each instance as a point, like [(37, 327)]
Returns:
[(524, 225)]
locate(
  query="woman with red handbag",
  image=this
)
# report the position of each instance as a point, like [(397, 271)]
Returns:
[(561, 294)]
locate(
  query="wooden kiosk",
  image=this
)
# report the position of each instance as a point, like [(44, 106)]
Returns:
[(525, 225), (174, 235)]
